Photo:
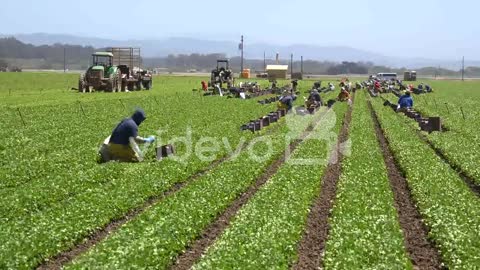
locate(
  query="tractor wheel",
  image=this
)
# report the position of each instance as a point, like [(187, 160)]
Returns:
[(110, 85), (123, 85), (138, 85)]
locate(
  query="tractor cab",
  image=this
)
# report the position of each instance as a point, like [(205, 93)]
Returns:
[(102, 60), (223, 64), (222, 74)]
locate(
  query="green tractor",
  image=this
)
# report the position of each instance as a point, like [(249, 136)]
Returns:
[(118, 69), (102, 75)]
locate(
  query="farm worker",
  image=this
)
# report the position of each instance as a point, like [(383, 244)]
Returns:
[(204, 86), (294, 85), (391, 87), (358, 86), (344, 95), (123, 142), (286, 102), (274, 84), (377, 85), (405, 101), (420, 87), (428, 88), (314, 99), (315, 95), (331, 87)]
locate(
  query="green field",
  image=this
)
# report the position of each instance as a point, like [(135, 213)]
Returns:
[(56, 198)]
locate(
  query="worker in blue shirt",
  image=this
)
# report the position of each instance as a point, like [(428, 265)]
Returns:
[(428, 89), (405, 101), (123, 144), (286, 101)]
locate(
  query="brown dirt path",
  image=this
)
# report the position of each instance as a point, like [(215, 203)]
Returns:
[(215, 229), (312, 244), (422, 252)]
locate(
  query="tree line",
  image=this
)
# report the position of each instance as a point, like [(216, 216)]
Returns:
[(14, 53)]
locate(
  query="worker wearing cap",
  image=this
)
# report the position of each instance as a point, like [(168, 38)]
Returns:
[(405, 101), (124, 139)]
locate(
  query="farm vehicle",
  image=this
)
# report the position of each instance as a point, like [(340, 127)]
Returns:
[(11, 69), (221, 75), (117, 69)]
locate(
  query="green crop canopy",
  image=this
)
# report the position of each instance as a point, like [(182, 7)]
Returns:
[(103, 54)]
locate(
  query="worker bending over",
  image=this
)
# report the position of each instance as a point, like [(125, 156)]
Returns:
[(124, 139), (204, 86), (428, 89), (344, 95), (294, 85), (313, 100), (358, 85), (420, 87), (286, 102), (405, 102), (331, 87)]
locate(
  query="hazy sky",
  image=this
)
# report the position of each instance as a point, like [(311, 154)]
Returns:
[(442, 29)]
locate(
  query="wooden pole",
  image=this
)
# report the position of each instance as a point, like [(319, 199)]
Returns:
[(301, 64), (264, 63), (64, 59), (241, 60), (291, 66)]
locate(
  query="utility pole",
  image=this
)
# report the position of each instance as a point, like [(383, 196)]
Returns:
[(241, 60), (264, 63), (463, 68), (301, 65), (291, 65), (64, 59)]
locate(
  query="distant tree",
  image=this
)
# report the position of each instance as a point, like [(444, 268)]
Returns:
[(3, 64)]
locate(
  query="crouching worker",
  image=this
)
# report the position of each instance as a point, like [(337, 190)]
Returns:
[(286, 102), (314, 99), (123, 143), (428, 89), (344, 95), (405, 102)]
